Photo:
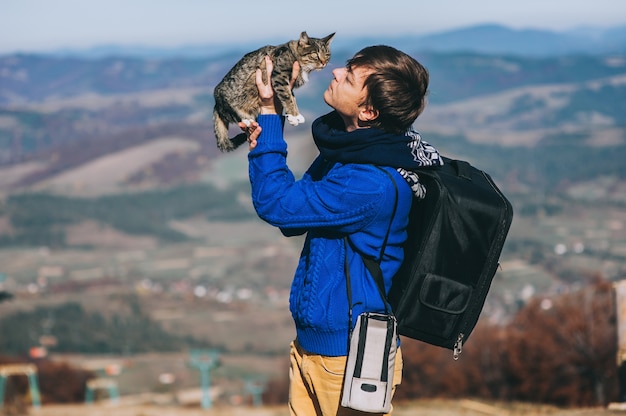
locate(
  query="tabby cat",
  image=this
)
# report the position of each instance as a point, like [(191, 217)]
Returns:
[(237, 97)]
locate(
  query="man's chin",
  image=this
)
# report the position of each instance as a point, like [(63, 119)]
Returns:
[(326, 100)]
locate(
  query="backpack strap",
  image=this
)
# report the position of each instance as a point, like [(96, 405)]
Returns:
[(372, 264)]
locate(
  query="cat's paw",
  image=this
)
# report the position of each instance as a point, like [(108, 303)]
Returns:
[(295, 120), (247, 121)]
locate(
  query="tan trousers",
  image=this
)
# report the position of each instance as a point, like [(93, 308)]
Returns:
[(316, 382)]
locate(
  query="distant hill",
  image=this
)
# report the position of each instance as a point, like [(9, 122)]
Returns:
[(465, 62), (496, 39), (30, 79), (67, 116), (33, 78), (486, 38)]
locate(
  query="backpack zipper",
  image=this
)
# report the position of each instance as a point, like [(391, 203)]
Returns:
[(458, 346)]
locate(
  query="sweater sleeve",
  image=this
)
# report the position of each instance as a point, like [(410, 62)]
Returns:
[(346, 199)]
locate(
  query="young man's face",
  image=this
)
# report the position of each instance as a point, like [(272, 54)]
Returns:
[(346, 94)]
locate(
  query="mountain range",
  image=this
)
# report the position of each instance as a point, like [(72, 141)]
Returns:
[(496, 39), (486, 39), (115, 149), (64, 114)]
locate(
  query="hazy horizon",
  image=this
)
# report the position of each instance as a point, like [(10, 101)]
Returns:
[(40, 26)]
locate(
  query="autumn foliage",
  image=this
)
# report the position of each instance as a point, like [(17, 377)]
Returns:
[(560, 350)]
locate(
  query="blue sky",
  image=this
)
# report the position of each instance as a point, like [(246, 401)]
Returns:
[(43, 25)]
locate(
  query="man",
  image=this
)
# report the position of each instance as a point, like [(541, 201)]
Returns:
[(375, 98)]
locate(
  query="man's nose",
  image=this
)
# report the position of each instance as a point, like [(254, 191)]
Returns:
[(338, 72)]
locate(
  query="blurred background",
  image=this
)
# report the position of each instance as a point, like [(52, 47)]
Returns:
[(133, 269)]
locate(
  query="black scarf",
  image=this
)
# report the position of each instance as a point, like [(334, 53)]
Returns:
[(371, 145)]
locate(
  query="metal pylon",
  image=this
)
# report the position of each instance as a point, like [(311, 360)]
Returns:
[(205, 361), (30, 371)]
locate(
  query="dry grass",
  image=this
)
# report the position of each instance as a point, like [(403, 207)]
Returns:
[(421, 408), (107, 174)]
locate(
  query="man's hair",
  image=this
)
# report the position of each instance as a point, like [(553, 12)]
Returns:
[(396, 87)]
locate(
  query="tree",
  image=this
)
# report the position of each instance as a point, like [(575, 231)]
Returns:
[(562, 350), (559, 350)]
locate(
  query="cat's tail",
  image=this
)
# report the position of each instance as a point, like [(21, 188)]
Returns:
[(221, 133)]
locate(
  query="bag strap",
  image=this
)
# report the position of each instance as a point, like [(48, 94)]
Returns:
[(372, 265), (346, 270)]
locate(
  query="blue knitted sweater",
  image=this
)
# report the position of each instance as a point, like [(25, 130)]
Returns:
[(332, 199)]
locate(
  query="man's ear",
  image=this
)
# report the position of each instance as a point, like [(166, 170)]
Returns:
[(367, 114)]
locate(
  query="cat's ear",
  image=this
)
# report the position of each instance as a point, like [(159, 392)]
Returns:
[(304, 39), (328, 38)]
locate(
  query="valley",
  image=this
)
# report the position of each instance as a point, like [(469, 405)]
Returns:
[(118, 211)]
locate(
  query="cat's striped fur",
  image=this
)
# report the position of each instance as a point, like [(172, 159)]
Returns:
[(237, 97)]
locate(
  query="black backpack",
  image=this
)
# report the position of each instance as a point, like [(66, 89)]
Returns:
[(455, 238)]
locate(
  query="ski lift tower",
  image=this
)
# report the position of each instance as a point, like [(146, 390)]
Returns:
[(30, 371), (255, 387), (205, 361), (103, 381)]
